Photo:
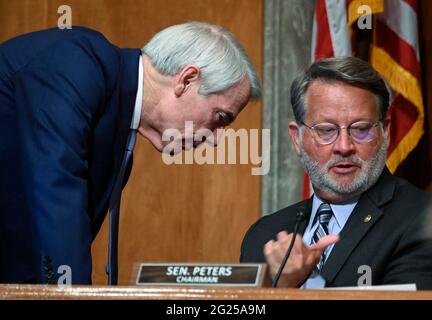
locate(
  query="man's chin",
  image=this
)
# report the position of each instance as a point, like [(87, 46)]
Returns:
[(158, 146), (345, 184), (344, 180)]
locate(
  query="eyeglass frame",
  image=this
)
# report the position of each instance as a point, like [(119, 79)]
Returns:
[(314, 134)]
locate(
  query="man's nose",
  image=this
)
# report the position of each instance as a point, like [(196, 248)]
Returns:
[(344, 143)]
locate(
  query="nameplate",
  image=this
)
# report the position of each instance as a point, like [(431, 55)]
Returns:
[(191, 274)]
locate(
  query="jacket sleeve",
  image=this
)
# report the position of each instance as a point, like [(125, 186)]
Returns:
[(57, 96)]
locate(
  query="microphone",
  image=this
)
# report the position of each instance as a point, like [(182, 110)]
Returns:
[(299, 218)]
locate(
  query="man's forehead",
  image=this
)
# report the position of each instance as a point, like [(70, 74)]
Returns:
[(235, 98), (240, 91), (332, 97), (320, 86)]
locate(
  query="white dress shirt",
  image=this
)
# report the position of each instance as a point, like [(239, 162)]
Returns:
[(138, 101)]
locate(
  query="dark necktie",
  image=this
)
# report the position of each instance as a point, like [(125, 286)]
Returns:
[(324, 215), (112, 267)]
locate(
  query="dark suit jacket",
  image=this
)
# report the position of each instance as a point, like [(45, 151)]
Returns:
[(396, 243), (66, 104)]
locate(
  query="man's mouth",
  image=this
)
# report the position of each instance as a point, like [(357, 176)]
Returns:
[(344, 167)]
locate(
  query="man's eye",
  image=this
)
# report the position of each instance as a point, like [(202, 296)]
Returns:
[(361, 128), (223, 118), (326, 130)]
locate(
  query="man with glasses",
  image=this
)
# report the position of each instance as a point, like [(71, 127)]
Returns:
[(362, 225)]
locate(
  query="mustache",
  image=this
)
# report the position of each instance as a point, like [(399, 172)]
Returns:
[(336, 159)]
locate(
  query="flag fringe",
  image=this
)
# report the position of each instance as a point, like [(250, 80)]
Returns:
[(408, 86)]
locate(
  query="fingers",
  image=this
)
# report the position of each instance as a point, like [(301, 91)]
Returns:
[(275, 248), (272, 255), (324, 242), (274, 251), (302, 260), (278, 248), (300, 263), (269, 253), (284, 237), (317, 249)]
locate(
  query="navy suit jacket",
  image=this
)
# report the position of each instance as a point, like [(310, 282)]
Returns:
[(66, 104), (396, 243)]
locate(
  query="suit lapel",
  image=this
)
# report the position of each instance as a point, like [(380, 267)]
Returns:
[(366, 213), (306, 208), (354, 230)]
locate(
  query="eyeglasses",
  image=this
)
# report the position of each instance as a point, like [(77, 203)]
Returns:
[(360, 132)]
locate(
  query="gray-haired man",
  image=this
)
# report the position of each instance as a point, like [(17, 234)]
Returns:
[(362, 226), (70, 106)]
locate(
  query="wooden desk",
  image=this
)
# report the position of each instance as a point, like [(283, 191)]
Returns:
[(42, 292)]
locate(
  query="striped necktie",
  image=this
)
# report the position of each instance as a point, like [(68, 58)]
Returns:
[(324, 215)]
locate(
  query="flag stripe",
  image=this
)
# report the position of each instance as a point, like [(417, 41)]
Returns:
[(314, 37), (395, 55), (307, 189), (413, 4), (404, 114), (400, 17), (323, 41), (398, 49), (399, 79), (337, 22), (407, 144), (408, 86)]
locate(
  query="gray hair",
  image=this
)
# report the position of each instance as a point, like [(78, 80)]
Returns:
[(222, 60), (349, 70)]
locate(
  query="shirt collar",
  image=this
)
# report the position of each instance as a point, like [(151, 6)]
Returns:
[(138, 100), (341, 211)]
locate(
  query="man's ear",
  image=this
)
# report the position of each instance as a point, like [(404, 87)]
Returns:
[(294, 132), (185, 78)]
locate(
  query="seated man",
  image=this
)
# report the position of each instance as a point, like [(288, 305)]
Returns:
[(361, 221)]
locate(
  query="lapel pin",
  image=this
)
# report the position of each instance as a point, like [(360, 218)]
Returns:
[(367, 218)]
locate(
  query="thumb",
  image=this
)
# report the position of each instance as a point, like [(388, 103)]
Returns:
[(325, 241)]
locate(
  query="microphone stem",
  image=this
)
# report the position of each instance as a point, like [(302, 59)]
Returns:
[(287, 254)]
